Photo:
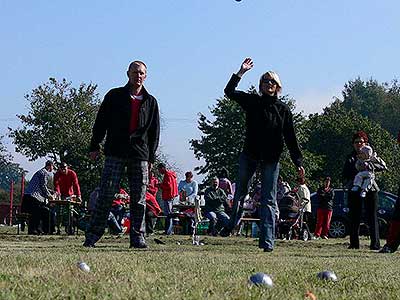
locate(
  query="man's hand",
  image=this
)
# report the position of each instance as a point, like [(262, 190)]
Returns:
[(247, 64), (300, 172), (94, 155)]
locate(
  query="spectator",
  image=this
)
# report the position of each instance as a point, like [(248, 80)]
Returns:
[(119, 205), (66, 182), (213, 209), (304, 195), (129, 120), (360, 139), (226, 185), (112, 222), (35, 201), (269, 124), (325, 195), (188, 188), (153, 209), (169, 189), (393, 237), (282, 188)]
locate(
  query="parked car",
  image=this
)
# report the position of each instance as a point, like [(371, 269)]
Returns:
[(340, 216)]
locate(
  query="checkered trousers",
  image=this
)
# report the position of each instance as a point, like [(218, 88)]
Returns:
[(138, 177)]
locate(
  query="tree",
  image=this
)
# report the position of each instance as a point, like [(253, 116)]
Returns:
[(330, 136), (58, 125), (9, 171), (378, 102)]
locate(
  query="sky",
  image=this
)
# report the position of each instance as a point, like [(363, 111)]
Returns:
[(191, 48)]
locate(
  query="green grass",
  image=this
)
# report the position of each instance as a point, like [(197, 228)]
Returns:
[(45, 267)]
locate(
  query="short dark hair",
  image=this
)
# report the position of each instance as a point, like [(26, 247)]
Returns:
[(360, 135), (161, 166), (137, 62), (49, 163), (188, 174)]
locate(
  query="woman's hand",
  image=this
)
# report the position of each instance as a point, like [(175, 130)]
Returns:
[(247, 64)]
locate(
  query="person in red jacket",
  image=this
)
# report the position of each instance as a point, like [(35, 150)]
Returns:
[(66, 182), (152, 207), (169, 188)]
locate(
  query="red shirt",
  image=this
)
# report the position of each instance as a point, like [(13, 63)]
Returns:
[(169, 186), (67, 184), (135, 107)]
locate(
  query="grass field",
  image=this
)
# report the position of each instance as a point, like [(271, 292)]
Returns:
[(45, 267)]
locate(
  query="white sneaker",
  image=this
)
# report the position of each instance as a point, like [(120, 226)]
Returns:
[(363, 194)]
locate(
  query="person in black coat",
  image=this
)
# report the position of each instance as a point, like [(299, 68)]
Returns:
[(359, 140)]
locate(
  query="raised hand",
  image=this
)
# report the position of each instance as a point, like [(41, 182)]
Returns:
[(247, 64)]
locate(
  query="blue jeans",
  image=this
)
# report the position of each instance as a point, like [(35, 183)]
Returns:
[(217, 220), (268, 205), (168, 213)]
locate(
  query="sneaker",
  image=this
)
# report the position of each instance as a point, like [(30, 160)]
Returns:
[(386, 249), (315, 237), (268, 250), (138, 242), (363, 194), (325, 237)]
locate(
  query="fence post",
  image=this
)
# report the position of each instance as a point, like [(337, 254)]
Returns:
[(11, 200)]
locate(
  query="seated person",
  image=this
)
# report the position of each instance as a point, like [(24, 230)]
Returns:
[(119, 204), (213, 209), (112, 223), (188, 188)]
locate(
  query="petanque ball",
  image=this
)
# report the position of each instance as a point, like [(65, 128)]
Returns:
[(327, 275), (261, 279), (83, 266)]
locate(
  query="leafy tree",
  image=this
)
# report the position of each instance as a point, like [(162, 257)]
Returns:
[(58, 125), (9, 171), (378, 102), (330, 135)]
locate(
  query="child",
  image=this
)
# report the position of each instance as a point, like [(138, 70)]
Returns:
[(365, 176)]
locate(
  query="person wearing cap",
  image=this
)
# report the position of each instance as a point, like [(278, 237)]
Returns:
[(66, 182), (269, 124), (35, 200), (128, 118)]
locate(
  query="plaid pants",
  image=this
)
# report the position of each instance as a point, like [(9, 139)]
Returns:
[(138, 177)]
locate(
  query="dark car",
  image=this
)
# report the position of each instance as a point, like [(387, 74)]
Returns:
[(340, 216)]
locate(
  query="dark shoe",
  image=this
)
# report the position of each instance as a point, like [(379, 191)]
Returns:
[(353, 247), (88, 245), (386, 249), (225, 232), (268, 250), (138, 242), (374, 247)]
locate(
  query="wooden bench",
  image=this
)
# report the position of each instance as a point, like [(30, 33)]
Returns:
[(246, 222)]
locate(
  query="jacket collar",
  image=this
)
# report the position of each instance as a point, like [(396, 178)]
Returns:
[(145, 93)]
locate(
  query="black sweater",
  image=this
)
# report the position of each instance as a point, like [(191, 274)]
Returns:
[(113, 119), (269, 124)]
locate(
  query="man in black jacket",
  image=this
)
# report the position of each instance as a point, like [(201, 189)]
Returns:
[(268, 125), (129, 118)]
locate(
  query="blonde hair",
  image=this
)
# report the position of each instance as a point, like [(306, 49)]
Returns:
[(275, 77)]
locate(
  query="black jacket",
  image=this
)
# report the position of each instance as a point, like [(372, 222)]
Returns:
[(269, 124), (325, 198), (113, 119)]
